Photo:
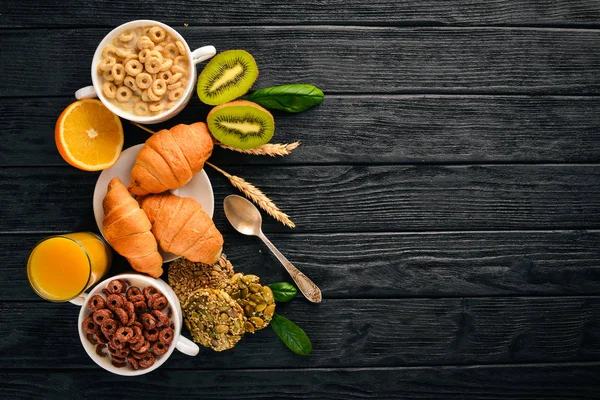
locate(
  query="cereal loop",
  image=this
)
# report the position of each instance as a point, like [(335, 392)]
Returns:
[(180, 61), (91, 338), (165, 75), (175, 86), (149, 292), (109, 90), (107, 75), (176, 94), (100, 315), (151, 335), (89, 326), (134, 363), (153, 65), (180, 47), (148, 320), (115, 286), (134, 67), (109, 327), (156, 53), (143, 80), (160, 348), (118, 72), (124, 94), (147, 361), (141, 108), (159, 87), (174, 78), (126, 36), (107, 63), (166, 65), (144, 43), (96, 303), (171, 51), (143, 55), (124, 334), (177, 69), (152, 96), (122, 53), (100, 350), (159, 302), (157, 34), (163, 320), (114, 301), (140, 306), (133, 291), (156, 106), (102, 339), (130, 57), (109, 51), (166, 336), (130, 83), (122, 315)]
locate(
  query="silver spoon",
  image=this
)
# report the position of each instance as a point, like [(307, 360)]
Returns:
[(246, 219)]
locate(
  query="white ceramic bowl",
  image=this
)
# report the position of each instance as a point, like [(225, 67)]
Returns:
[(194, 57), (182, 344), (198, 188)]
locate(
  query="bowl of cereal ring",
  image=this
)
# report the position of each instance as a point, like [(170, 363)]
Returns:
[(144, 71), (130, 324)]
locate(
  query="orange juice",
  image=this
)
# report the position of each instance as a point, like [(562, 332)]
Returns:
[(62, 267)]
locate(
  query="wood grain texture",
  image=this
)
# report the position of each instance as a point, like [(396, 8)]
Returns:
[(344, 59), (346, 198), (391, 265), (349, 333), (550, 382), (404, 12), (367, 129)]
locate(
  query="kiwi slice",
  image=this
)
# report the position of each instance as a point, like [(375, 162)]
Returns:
[(226, 77), (241, 124)]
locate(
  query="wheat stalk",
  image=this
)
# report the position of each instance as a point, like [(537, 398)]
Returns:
[(257, 196), (248, 189), (269, 149)]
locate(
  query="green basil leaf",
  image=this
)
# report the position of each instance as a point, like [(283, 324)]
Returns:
[(292, 98), (283, 291), (291, 335)]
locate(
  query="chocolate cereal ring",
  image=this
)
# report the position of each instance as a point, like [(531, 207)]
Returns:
[(140, 306), (89, 326), (138, 356), (162, 319), (122, 315), (160, 348), (115, 286), (100, 315), (114, 301), (151, 335), (134, 363), (137, 335), (149, 292), (119, 360), (116, 343), (108, 327), (148, 321), (105, 292), (156, 297), (96, 303), (147, 361), (100, 350), (166, 336), (124, 334), (91, 338), (118, 364), (133, 291), (143, 348), (101, 338), (133, 67)]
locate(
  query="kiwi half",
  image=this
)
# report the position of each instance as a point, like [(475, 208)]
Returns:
[(226, 77), (241, 124)]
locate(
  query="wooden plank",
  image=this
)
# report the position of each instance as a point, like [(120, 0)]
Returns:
[(549, 382), (392, 265), (347, 198), (343, 59), (395, 129), (350, 333), (403, 12)]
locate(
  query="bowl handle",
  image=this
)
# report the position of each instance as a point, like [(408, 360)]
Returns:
[(87, 92), (203, 53), (186, 346), (79, 300)]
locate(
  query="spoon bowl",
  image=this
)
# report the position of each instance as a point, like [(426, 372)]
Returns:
[(242, 215)]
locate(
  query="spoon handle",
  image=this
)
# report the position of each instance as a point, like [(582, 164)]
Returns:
[(306, 286)]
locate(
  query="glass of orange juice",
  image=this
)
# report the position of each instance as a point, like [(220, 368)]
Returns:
[(62, 267)]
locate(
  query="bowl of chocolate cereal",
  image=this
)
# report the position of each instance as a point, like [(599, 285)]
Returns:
[(144, 71), (130, 324)]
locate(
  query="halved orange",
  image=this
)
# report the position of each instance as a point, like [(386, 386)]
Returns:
[(88, 136)]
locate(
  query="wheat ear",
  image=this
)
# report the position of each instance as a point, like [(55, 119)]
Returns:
[(257, 196), (269, 149)]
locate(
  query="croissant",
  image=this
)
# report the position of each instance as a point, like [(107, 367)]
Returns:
[(128, 230), (170, 158), (181, 227)]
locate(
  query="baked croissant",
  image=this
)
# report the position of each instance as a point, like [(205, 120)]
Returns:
[(127, 229), (181, 227), (170, 158)]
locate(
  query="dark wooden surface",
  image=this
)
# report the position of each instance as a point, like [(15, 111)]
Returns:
[(447, 196)]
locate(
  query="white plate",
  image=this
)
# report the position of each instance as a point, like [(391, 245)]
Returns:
[(198, 188)]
